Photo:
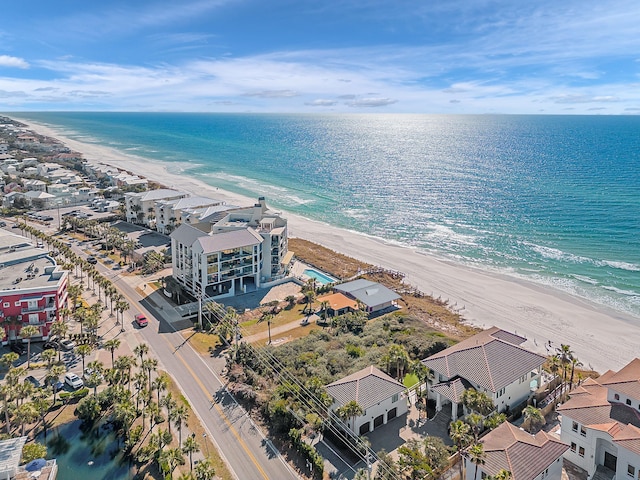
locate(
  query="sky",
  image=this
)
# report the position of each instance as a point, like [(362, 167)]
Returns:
[(354, 56)]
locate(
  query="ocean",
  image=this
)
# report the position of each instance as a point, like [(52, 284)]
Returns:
[(551, 199)]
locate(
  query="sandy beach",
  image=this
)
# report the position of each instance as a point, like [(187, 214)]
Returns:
[(601, 338)]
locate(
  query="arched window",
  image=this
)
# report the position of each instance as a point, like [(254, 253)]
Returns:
[(616, 396)]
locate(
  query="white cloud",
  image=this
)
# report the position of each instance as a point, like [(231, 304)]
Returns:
[(13, 62)]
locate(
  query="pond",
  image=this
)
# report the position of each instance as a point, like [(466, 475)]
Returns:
[(87, 453)]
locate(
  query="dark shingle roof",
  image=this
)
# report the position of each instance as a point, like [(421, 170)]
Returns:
[(492, 359), (368, 387), (524, 455)]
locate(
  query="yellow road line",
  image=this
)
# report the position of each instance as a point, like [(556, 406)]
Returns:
[(217, 407), (222, 414)]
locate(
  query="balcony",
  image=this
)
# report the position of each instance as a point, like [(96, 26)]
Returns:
[(33, 309)]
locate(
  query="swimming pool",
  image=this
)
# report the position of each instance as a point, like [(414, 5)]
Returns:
[(319, 276)]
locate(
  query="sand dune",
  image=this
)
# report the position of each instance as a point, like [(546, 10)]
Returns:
[(601, 337)]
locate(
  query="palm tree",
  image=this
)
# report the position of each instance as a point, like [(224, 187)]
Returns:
[(48, 355), (565, 354), (160, 384), (84, 350), (172, 457), (267, 317), (533, 418), (25, 413), (125, 363), (29, 331), (112, 345), (475, 422), (180, 416), (460, 434), (141, 350), (6, 393), (324, 308), (476, 455), (149, 364), (349, 411), (503, 475), (53, 376), (204, 470), (398, 355), (575, 363), (190, 447)]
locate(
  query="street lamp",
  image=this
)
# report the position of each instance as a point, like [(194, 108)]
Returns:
[(206, 446)]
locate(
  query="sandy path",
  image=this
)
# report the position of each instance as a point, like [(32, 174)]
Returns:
[(601, 337)]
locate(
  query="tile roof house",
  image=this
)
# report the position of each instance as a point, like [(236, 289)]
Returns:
[(381, 397), (373, 295), (494, 362), (526, 456), (601, 423)]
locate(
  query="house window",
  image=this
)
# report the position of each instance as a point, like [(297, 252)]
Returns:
[(573, 447), (6, 304), (631, 471), (17, 304), (581, 451), (616, 396), (628, 401), (394, 399), (574, 426), (583, 432)]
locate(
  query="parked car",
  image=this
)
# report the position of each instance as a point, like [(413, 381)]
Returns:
[(141, 320), (73, 380), (3, 224), (19, 348), (92, 260), (90, 371), (56, 384), (67, 344), (33, 381), (50, 344)]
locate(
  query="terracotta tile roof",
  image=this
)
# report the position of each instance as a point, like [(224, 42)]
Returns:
[(626, 381), (338, 301), (628, 437), (492, 359), (524, 455), (368, 387), (589, 406)]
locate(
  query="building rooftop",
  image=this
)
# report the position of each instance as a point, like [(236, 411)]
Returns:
[(338, 301), (492, 359), (369, 293), (227, 240), (10, 455), (158, 194), (368, 387), (24, 266), (526, 456)]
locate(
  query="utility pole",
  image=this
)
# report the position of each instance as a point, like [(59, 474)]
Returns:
[(200, 306)]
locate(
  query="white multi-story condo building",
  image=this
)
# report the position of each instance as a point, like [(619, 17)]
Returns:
[(235, 251), (170, 213), (141, 205)]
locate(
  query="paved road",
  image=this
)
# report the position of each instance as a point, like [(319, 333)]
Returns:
[(249, 454)]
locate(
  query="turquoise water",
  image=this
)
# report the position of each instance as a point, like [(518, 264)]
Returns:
[(319, 276), (553, 199), (87, 454)]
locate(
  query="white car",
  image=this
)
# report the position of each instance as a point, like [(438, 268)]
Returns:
[(73, 380)]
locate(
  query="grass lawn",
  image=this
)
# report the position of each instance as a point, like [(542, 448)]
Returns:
[(251, 327), (410, 380), (201, 342)]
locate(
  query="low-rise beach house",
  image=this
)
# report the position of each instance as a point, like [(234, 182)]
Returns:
[(380, 397), (494, 362), (235, 251)]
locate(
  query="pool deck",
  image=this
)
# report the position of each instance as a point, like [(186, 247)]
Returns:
[(298, 268)]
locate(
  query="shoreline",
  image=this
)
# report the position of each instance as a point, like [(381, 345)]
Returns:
[(540, 313)]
